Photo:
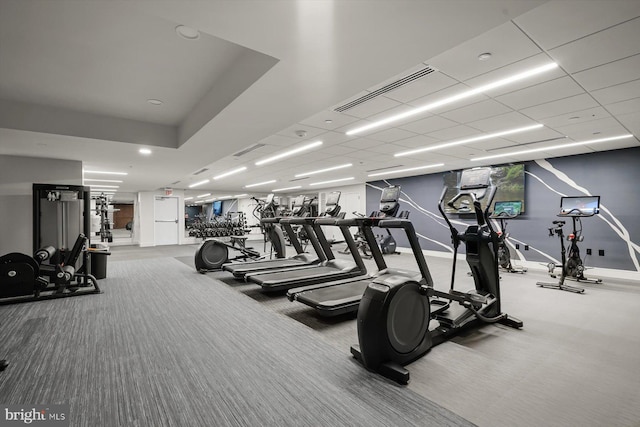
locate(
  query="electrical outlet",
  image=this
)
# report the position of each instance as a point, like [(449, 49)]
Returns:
[(601, 252), (526, 247), (589, 251), (517, 245)]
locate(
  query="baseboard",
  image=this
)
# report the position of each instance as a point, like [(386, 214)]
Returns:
[(595, 272)]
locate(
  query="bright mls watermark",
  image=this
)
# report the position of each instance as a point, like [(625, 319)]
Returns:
[(34, 415)]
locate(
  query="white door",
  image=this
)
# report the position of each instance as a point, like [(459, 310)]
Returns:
[(166, 220)]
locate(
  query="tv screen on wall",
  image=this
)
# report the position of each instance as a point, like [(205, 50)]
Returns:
[(508, 178), (217, 208)]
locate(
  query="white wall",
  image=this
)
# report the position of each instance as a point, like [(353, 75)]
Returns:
[(17, 174)]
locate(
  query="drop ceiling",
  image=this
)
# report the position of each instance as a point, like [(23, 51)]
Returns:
[(265, 77)]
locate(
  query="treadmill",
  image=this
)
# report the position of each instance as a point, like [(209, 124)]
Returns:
[(300, 208), (343, 296), (328, 270)]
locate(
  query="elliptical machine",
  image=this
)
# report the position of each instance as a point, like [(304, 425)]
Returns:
[(395, 312), (572, 264), (502, 211)]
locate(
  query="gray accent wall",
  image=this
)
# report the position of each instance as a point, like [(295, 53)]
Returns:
[(17, 175), (613, 175)]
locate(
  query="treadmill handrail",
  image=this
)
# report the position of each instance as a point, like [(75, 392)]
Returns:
[(410, 231)]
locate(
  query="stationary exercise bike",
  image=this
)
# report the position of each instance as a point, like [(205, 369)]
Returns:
[(572, 264), (502, 211), (395, 312)]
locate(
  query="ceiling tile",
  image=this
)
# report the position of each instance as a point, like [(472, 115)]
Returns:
[(424, 86), (477, 111), (599, 48), (331, 138), (614, 73), (502, 122), (586, 130), (537, 135), (337, 120), (576, 117), (559, 22), (506, 43), (311, 132), (361, 143), (631, 122), (338, 150), (280, 140), (618, 93), (625, 107), (563, 87), (416, 141), (562, 106), (460, 131), (391, 135), (387, 149), (490, 144), (429, 124)]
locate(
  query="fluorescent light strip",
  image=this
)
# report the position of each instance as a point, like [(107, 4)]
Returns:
[(553, 147), (102, 180), (407, 169), (188, 198), (466, 94), (231, 172), (332, 181), (288, 153), (210, 200), (104, 186), (347, 165), (260, 183), (287, 188), (107, 173), (468, 140), (240, 195), (195, 184), (203, 195)]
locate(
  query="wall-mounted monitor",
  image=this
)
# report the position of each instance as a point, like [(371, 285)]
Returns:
[(511, 208), (580, 205), (217, 208)]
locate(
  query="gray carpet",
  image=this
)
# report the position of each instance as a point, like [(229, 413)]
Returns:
[(166, 346), (575, 362)]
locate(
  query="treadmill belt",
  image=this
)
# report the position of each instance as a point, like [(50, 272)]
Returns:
[(294, 278), (240, 269), (334, 300)]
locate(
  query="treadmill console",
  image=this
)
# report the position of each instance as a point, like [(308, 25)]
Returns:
[(389, 200), (475, 180), (298, 207), (331, 207), (579, 206)]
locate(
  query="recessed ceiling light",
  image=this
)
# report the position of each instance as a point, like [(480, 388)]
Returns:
[(407, 170), (462, 95), (288, 153), (187, 33), (93, 187), (468, 140), (154, 101), (484, 56), (203, 195), (144, 151), (553, 147), (188, 198)]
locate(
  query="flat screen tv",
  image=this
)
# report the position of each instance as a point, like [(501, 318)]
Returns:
[(217, 208), (581, 205)]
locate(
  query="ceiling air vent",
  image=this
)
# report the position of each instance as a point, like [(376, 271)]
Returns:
[(248, 150), (298, 179), (174, 183), (387, 88), (201, 171), (387, 167), (526, 143)]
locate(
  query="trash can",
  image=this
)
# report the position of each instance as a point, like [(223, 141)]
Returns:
[(99, 262)]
